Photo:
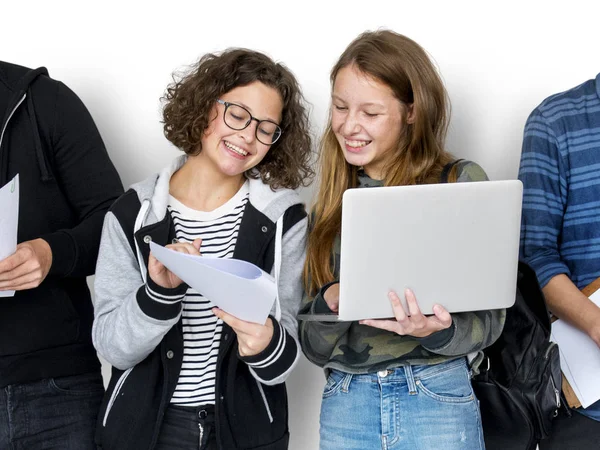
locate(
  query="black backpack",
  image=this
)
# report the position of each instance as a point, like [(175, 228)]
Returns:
[(519, 384)]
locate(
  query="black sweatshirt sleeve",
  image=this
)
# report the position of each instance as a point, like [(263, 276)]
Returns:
[(88, 180)]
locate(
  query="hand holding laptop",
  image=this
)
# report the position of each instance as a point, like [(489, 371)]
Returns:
[(405, 322), (412, 322), (332, 297)]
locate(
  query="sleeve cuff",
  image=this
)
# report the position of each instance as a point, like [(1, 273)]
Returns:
[(159, 302), (64, 253), (546, 271), (546, 263), (438, 339), (277, 358)]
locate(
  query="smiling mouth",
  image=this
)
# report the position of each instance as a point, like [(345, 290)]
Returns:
[(235, 148), (354, 144)]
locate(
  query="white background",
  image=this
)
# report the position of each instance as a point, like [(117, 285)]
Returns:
[(498, 59)]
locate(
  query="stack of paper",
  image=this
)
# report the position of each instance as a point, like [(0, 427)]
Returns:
[(9, 205), (579, 359), (237, 287)]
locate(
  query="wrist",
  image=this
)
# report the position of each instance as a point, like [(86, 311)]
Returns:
[(591, 322), (277, 358), (45, 252)]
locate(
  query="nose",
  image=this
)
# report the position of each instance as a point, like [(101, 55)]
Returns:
[(350, 125), (249, 133)]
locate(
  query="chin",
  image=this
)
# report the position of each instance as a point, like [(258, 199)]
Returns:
[(356, 160), (232, 171)]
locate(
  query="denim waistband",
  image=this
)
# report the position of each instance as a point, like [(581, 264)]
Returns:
[(402, 374)]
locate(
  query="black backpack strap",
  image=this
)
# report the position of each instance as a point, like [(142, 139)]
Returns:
[(293, 215), (533, 296), (446, 170)]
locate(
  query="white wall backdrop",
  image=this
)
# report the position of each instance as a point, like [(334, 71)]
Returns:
[(498, 59)]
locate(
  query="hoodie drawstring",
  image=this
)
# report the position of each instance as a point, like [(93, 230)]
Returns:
[(139, 221), (277, 264)]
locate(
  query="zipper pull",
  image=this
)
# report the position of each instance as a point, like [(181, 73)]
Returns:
[(557, 397)]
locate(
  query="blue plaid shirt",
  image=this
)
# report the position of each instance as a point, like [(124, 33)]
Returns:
[(560, 171)]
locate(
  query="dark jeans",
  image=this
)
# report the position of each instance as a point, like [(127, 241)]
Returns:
[(188, 428), (57, 413), (577, 432)]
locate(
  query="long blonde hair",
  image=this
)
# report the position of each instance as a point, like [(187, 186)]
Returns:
[(404, 66)]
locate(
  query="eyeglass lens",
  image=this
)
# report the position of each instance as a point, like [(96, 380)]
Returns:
[(239, 118)]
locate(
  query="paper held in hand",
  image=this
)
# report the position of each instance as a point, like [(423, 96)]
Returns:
[(9, 219), (579, 359), (237, 287)]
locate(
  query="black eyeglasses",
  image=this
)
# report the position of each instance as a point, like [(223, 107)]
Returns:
[(238, 118)]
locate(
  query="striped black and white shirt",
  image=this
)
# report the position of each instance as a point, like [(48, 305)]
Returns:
[(218, 230)]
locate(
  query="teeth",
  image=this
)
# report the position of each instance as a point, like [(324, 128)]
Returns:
[(236, 149), (357, 144)]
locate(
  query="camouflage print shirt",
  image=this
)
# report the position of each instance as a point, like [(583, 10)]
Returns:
[(355, 348)]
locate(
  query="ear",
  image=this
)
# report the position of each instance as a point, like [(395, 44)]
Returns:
[(410, 113)]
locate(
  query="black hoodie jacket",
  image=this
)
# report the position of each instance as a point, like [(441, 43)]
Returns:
[(67, 183)]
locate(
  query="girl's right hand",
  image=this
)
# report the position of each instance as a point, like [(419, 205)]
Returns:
[(412, 322), (332, 297), (163, 276)]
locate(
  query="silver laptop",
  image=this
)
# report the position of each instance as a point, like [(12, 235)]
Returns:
[(456, 244)]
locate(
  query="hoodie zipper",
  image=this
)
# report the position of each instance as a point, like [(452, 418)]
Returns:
[(10, 116)]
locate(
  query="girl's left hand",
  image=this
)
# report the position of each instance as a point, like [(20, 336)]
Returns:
[(253, 338), (416, 324)]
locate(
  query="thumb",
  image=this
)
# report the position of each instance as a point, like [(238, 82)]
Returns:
[(442, 315), (197, 243)]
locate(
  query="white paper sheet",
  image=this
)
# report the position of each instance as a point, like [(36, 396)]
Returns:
[(579, 359), (237, 287), (9, 219)]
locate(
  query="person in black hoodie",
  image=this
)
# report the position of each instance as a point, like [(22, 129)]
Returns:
[(50, 379)]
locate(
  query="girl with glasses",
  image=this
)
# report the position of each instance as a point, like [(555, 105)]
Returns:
[(402, 383), (186, 374)]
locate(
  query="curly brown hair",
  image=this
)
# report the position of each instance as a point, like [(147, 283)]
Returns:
[(189, 100)]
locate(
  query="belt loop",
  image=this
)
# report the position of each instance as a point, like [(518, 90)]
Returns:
[(346, 382), (410, 380)]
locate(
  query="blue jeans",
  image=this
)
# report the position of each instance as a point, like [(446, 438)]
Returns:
[(56, 413), (411, 407)]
